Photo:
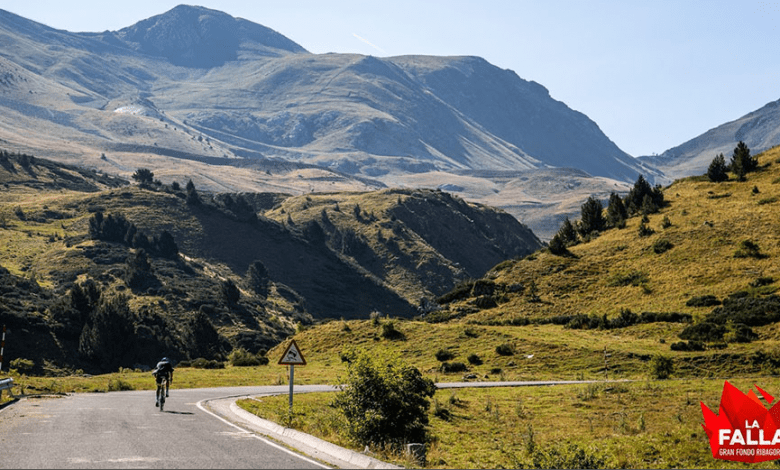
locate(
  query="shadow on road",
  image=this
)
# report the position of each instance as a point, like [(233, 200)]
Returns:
[(179, 412)]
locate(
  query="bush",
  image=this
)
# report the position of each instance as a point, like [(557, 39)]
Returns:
[(444, 355), (662, 246), (452, 367), (23, 366), (505, 349), (661, 367), (749, 249), (762, 281), (688, 346), (632, 278), (389, 332), (242, 358), (384, 401), (706, 331), (474, 360), (201, 363), (703, 301)]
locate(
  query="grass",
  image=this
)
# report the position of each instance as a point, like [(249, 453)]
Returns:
[(699, 260), (644, 424)]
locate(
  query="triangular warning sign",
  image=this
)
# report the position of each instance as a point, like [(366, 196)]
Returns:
[(292, 356)]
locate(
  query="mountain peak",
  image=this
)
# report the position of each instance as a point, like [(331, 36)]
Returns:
[(198, 37)]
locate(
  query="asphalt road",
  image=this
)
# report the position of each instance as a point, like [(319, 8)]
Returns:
[(125, 429)]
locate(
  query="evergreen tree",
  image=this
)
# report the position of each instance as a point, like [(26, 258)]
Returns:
[(230, 292), (166, 245), (635, 200), (108, 336), (592, 218), (258, 278), (144, 177), (138, 271), (193, 198), (557, 246), (567, 232), (616, 212), (718, 171), (741, 161)]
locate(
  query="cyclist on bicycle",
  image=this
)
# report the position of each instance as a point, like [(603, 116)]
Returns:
[(164, 369)]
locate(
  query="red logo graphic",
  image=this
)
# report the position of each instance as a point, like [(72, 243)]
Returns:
[(744, 430)]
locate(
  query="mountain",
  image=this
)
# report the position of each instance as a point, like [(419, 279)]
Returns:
[(202, 38), (760, 130), (197, 85)]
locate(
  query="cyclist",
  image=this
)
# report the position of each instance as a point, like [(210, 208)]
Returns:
[(164, 369)]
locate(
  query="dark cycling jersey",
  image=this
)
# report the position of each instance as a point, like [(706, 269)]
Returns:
[(163, 369)]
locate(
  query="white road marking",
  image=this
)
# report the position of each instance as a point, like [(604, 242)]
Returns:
[(272, 444)]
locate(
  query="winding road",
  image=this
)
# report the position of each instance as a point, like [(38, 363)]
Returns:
[(125, 429)]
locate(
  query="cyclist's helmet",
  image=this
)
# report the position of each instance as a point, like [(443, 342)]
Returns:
[(165, 359)]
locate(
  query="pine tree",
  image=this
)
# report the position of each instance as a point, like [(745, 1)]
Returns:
[(718, 171), (616, 212), (592, 218), (557, 246), (258, 278), (193, 198), (144, 176), (741, 161)]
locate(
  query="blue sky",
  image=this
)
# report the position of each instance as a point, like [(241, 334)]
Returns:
[(651, 73)]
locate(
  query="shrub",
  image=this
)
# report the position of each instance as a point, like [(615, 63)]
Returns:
[(384, 401), (749, 249), (740, 334), (662, 246), (474, 360), (505, 349), (444, 355), (688, 346), (242, 358), (451, 367), (390, 332), (703, 301), (119, 385), (644, 230), (202, 363), (22, 366), (661, 367), (632, 278), (762, 281), (706, 331)]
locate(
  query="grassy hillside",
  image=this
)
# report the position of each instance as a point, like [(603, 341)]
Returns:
[(615, 294), (419, 243), (86, 282)]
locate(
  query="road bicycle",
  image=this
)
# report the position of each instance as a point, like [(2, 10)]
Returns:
[(161, 391)]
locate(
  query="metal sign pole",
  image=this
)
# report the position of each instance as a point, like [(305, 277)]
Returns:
[(292, 379)]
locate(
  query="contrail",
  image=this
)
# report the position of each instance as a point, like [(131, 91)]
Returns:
[(369, 43)]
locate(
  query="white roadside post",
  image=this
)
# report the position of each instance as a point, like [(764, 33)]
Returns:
[(2, 349), (292, 356)]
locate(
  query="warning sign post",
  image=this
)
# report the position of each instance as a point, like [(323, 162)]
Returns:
[(292, 357)]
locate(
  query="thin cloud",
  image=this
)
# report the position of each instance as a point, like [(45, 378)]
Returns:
[(370, 44)]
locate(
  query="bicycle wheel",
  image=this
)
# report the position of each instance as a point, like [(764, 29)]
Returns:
[(162, 395)]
